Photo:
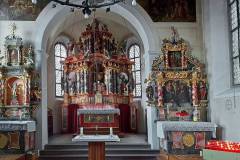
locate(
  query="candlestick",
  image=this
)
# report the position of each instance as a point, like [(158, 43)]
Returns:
[(111, 131), (81, 131)]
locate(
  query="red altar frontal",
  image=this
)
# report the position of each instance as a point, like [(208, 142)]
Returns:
[(98, 118), (98, 84)]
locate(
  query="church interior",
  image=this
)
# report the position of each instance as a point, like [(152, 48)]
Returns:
[(119, 79)]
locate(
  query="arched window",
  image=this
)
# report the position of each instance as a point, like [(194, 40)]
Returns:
[(135, 56), (60, 55), (234, 10)]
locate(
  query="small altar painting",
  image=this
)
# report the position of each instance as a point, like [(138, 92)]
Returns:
[(200, 140), (170, 10), (177, 140), (175, 59), (21, 9), (14, 140), (3, 141)]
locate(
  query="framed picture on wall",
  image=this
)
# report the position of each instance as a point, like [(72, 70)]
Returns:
[(21, 10), (170, 10)]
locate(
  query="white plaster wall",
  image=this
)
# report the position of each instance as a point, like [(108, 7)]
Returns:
[(224, 98)]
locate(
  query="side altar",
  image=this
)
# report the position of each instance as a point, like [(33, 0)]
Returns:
[(19, 95), (97, 80), (177, 86)]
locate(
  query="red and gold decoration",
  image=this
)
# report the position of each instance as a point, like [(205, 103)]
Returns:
[(16, 88), (178, 80), (16, 78), (96, 75), (177, 86)]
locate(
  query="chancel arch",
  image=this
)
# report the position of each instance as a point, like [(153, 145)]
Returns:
[(51, 27)]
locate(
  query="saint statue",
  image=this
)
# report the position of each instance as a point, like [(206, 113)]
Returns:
[(203, 91), (29, 56), (14, 100)]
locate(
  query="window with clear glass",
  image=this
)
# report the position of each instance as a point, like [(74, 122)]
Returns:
[(60, 55), (135, 56), (234, 12)]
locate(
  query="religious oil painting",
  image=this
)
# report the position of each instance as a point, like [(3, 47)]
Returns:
[(176, 92), (23, 10), (170, 10)]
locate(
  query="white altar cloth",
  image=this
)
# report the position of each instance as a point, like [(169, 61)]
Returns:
[(29, 126), (96, 138), (165, 126)]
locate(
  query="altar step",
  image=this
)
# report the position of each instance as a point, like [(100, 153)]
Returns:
[(113, 152)]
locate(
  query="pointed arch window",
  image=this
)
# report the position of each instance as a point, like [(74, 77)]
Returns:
[(60, 55), (134, 55), (234, 17)]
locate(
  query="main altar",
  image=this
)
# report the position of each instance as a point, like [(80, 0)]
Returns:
[(177, 86), (98, 84), (19, 95)]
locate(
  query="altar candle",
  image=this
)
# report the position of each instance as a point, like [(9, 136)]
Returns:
[(111, 131), (81, 131)]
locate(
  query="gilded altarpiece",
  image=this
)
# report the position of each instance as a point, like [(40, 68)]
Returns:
[(177, 86), (17, 76), (98, 83)]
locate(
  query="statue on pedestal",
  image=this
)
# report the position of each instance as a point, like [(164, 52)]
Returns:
[(14, 100)]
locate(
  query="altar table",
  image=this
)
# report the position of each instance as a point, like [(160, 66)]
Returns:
[(184, 137), (97, 119), (96, 144), (17, 136)]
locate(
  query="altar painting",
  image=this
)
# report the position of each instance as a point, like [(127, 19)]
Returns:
[(170, 10), (176, 92), (21, 9), (15, 89)]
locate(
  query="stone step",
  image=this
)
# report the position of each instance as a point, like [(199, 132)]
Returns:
[(85, 145), (108, 157), (108, 151)]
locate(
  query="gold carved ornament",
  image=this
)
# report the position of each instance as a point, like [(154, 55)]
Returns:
[(188, 140), (3, 141)]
